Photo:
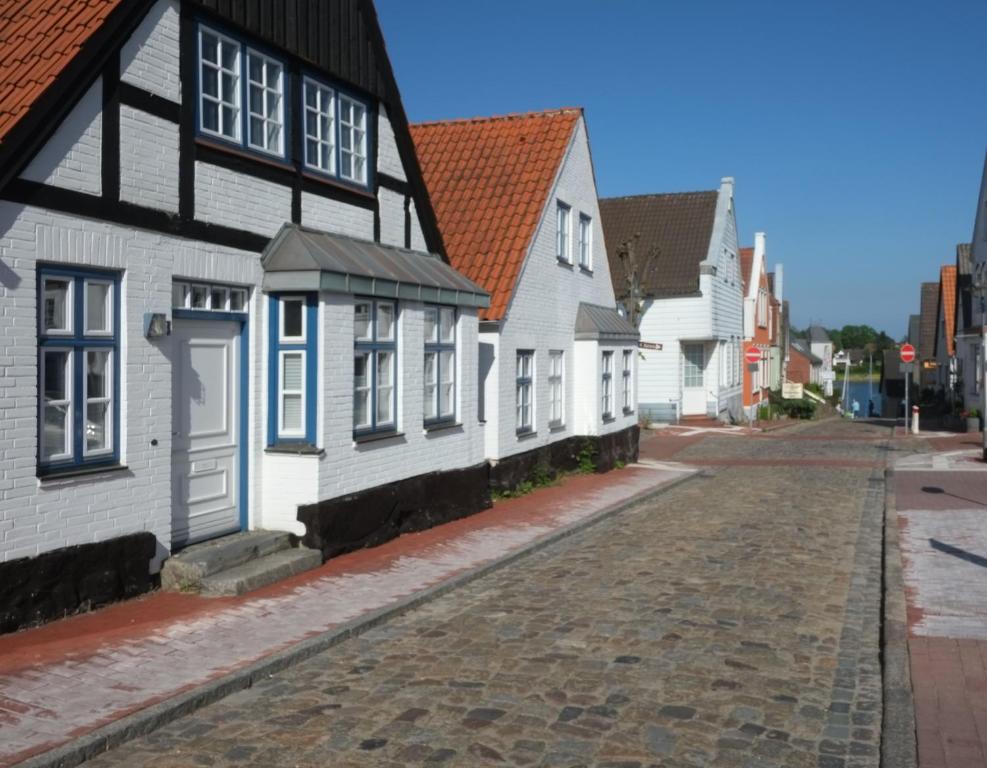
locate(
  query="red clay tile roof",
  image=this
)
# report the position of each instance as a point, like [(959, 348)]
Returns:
[(746, 265), (38, 39), (947, 284), (489, 179)]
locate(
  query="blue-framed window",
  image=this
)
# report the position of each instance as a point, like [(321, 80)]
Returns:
[(440, 364), (241, 93), (335, 135), (627, 393), (563, 232), (375, 351), (292, 368), (607, 385), (78, 368), (525, 390)]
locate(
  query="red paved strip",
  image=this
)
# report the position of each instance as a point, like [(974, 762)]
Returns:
[(934, 490), (949, 678), (661, 447), (782, 462)]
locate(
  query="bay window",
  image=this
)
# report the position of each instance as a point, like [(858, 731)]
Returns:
[(79, 370), (374, 366), (440, 364), (292, 369)]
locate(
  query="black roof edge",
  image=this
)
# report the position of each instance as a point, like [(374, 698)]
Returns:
[(45, 116)]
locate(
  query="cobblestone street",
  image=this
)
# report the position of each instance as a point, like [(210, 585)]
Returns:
[(732, 621)]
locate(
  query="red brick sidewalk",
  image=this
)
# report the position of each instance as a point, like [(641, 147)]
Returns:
[(943, 521), (66, 680)]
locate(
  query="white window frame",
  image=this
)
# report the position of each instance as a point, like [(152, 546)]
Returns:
[(226, 298), (282, 338), (266, 89), (237, 73), (524, 390), (355, 151), (244, 299), (606, 384), (107, 308), (627, 380), (69, 329), (68, 437), (282, 391), (585, 242), (325, 144), (563, 232), (108, 399), (556, 388)]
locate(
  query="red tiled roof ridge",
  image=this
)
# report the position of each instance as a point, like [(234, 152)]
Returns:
[(646, 195), (507, 116)]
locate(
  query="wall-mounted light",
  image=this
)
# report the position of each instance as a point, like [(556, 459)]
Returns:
[(156, 325)]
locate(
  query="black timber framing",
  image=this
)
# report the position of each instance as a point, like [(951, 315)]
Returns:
[(393, 184), (407, 221), (26, 138), (186, 126), (129, 214), (151, 103), (110, 116)]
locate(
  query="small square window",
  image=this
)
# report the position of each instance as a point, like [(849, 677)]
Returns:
[(362, 330), (431, 324), (179, 295), (385, 321), (293, 319), (199, 297), (448, 324), (238, 300), (57, 305), (217, 298)]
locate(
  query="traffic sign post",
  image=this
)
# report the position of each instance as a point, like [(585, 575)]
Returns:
[(907, 354), (752, 356)]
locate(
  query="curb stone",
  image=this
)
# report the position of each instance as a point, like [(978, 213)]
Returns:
[(153, 717), (898, 747)]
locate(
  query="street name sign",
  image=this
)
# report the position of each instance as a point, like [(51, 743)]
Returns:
[(907, 353), (649, 345)]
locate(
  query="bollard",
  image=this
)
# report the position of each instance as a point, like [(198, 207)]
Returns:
[(914, 419)]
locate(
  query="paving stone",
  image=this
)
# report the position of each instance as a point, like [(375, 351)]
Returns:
[(732, 622)]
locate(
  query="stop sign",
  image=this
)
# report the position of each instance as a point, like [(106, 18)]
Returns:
[(907, 353), (752, 355)]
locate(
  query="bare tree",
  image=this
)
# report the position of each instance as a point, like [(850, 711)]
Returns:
[(633, 300)]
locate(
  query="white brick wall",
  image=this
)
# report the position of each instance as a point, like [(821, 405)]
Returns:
[(417, 236), (38, 516), (542, 313), (71, 158), (391, 217), (149, 59), (388, 158), (339, 218), (148, 160), (243, 202)]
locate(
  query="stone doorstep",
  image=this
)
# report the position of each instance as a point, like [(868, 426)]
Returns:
[(189, 570), (258, 573)]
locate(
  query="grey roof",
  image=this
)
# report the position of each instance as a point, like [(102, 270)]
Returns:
[(303, 259), (913, 326), (928, 315), (817, 335), (674, 231), (802, 347), (603, 324)]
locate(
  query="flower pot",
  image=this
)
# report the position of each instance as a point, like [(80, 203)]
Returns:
[(972, 423)]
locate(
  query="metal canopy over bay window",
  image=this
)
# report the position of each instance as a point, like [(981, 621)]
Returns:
[(303, 259)]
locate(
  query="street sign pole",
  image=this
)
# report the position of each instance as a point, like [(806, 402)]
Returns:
[(907, 355), (908, 418)]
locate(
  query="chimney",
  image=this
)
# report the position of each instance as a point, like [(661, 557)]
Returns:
[(759, 250), (779, 282)]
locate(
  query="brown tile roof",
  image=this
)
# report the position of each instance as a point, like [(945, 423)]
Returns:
[(746, 266), (927, 321), (38, 39), (674, 229), (489, 179), (947, 287)]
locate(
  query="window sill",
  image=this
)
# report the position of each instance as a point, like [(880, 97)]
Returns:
[(524, 434), (556, 427), (628, 411), (332, 181), (563, 262), (255, 155), (442, 426), (296, 449), (586, 270), (609, 418), (373, 437), (47, 475)]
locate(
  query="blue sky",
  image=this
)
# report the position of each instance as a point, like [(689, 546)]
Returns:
[(856, 131)]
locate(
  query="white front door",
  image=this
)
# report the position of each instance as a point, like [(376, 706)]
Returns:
[(693, 379), (205, 429)]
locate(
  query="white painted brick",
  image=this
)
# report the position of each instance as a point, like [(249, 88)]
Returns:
[(417, 236), (336, 217), (71, 158), (388, 157), (148, 160), (150, 58), (391, 218), (243, 202)]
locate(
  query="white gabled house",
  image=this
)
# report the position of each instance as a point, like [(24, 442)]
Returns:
[(690, 286), (521, 219), (225, 300)]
